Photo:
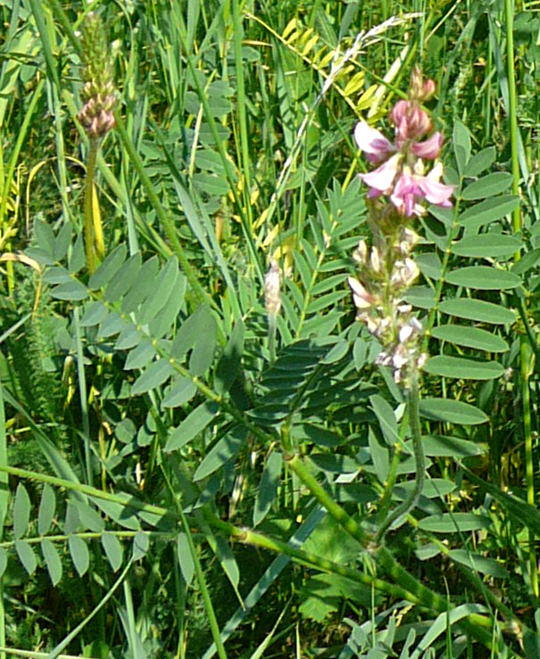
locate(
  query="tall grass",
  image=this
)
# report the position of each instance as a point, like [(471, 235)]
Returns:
[(176, 479)]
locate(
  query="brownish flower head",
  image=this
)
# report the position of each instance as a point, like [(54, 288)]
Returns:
[(98, 91)]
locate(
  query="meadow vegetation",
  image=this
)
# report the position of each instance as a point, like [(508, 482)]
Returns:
[(212, 444)]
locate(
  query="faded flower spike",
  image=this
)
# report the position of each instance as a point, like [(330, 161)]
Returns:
[(402, 176), (98, 92), (272, 290)]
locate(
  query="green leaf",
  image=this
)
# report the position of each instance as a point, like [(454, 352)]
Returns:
[(463, 369), (485, 312), (454, 523), (479, 563), (488, 211), (57, 275), (268, 487), (44, 237), (471, 337), (139, 356), (204, 348), (144, 286), (461, 140), (185, 559), (47, 508), (487, 245), (72, 290), (113, 550), (337, 352), (195, 422), (386, 417), (52, 561), (163, 321), (189, 330), (430, 264), (164, 285), (379, 455), (488, 186), (181, 391), (433, 487), (123, 278), (94, 314), (422, 297), (228, 562), (108, 268), (121, 513), (141, 544), (79, 554), (3, 561), (480, 162), (63, 241), (230, 363), (26, 556), (451, 411), (21, 511), (225, 449), (156, 374), (483, 277), (451, 447), (528, 261)]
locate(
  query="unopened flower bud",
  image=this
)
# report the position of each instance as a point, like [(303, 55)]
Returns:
[(421, 90), (272, 290)]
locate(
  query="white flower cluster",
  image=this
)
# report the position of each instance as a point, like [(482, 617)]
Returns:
[(386, 272)]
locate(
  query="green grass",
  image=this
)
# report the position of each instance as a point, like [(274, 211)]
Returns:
[(173, 483)]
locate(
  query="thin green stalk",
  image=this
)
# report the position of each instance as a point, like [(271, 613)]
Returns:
[(413, 402), (83, 396), (524, 354), (238, 33), (75, 632), (207, 600), (4, 497), (295, 464), (164, 217)]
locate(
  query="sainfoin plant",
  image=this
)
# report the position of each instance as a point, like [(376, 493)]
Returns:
[(254, 402)]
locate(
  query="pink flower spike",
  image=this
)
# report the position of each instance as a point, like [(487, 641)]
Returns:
[(382, 178), (430, 148), (372, 142)]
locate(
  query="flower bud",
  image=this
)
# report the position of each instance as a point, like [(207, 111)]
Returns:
[(272, 290)]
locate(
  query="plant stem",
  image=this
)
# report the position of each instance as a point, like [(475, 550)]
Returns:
[(4, 497), (524, 353), (413, 402), (91, 229), (207, 600)]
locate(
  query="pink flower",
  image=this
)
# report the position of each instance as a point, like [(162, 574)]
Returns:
[(372, 142), (410, 189), (410, 121), (430, 148), (381, 179)]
